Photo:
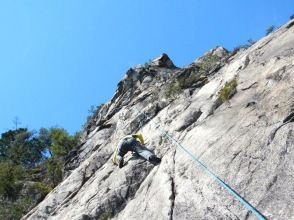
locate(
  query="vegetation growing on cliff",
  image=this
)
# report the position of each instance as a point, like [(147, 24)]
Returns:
[(228, 90), (31, 165)]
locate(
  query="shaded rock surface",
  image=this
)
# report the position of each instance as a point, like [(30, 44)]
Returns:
[(248, 142)]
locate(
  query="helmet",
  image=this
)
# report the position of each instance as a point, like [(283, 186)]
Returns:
[(139, 137)]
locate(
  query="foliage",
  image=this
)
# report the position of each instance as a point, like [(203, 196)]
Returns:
[(248, 44), (147, 64), (226, 92), (172, 90), (188, 81), (21, 147), (62, 142), (54, 171), (207, 63), (270, 29), (10, 175), (57, 141), (106, 216), (93, 113), (95, 109), (45, 138), (42, 188), (24, 157), (15, 210)]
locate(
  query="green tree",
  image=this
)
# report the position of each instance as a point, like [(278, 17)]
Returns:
[(250, 42), (62, 142), (24, 157), (21, 147), (54, 171), (270, 29), (58, 143), (10, 175), (172, 90), (15, 210)]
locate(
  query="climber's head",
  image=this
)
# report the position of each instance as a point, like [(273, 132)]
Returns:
[(139, 137)]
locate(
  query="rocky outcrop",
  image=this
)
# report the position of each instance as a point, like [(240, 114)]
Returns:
[(248, 141), (163, 61)]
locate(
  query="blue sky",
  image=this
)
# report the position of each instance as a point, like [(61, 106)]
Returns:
[(58, 57)]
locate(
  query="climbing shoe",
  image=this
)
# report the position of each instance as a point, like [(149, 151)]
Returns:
[(154, 160), (121, 163)]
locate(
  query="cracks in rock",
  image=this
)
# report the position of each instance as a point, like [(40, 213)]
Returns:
[(227, 207), (140, 99), (85, 178), (173, 188), (104, 126), (264, 43), (150, 182), (288, 119), (271, 183), (73, 194), (250, 86), (273, 180), (103, 179), (234, 157), (117, 200), (191, 120), (290, 24), (250, 104)]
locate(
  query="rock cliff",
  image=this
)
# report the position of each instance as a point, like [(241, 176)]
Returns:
[(245, 137)]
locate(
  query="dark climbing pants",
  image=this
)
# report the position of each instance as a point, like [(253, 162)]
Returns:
[(131, 144)]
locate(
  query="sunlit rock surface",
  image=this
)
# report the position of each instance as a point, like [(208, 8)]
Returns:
[(248, 141)]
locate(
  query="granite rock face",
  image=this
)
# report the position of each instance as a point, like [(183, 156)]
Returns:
[(248, 141)]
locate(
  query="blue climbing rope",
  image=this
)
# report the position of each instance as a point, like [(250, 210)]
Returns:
[(231, 191), (216, 178)]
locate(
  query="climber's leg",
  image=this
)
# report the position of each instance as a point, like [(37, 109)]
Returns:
[(120, 161), (142, 151), (145, 153)]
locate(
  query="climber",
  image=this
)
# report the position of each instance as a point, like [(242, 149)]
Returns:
[(135, 144)]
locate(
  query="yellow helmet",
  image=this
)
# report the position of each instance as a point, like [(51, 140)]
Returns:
[(139, 137)]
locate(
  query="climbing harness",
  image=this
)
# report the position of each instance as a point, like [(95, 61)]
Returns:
[(204, 168)]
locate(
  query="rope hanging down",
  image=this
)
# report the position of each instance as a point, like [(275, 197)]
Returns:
[(217, 179), (231, 191)]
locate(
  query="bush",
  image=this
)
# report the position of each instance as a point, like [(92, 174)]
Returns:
[(207, 63), (62, 142), (106, 216), (147, 64), (172, 90), (270, 29), (21, 147), (12, 211), (9, 180), (42, 188), (228, 90), (188, 82), (249, 43), (54, 169)]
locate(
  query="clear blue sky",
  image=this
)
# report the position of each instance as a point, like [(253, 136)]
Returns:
[(58, 57)]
